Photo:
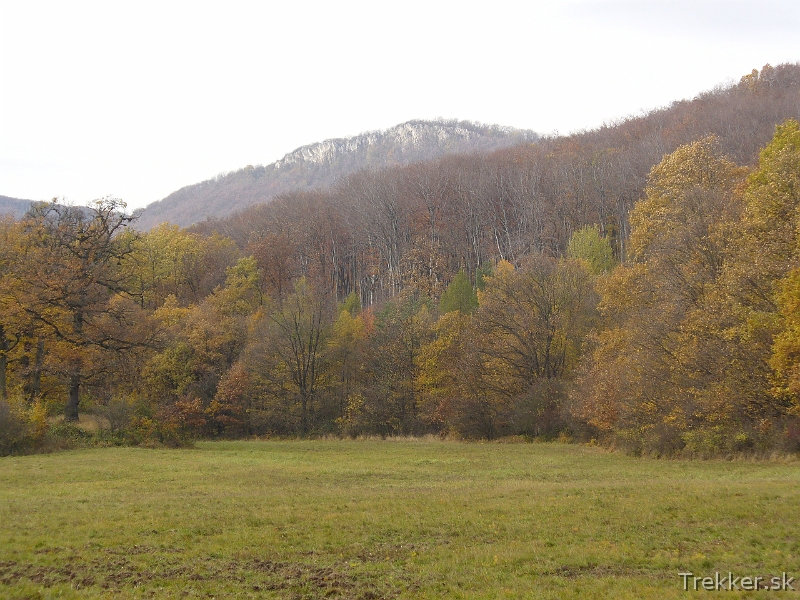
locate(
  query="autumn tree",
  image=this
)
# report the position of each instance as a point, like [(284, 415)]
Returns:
[(236, 305), (22, 350), (286, 357), (12, 322), (535, 317), (662, 367), (276, 255), (391, 404), (767, 271), (460, 390), (203, 342), (75, 290), (347, 346), (158, 268), (170, 261)]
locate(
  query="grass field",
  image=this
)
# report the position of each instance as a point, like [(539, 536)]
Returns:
[(388, 519)]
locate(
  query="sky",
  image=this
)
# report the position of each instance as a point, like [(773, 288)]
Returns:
[(138, 99)]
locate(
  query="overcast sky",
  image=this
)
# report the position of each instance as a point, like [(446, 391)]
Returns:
[(138, 99)]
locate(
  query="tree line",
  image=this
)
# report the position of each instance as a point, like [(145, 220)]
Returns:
[(478, 297)]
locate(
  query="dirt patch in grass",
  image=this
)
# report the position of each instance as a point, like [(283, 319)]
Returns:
[(115, 571)]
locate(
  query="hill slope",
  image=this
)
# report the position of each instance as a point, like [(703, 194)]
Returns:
[(15, 207), (508, 204), (320, 164)]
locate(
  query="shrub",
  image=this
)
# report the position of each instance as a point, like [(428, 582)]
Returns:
[(13, 430), (118, 412), (22, 426), (64, 436)]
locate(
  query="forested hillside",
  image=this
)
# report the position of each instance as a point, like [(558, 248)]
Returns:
[(14, 206), (637, 285), (321, 164), (461, 211)]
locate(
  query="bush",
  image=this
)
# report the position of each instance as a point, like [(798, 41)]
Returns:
[(22, 426), (792, 439), (64, 436), (118, 412), (13, 430)]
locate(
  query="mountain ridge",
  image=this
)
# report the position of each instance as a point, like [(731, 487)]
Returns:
[(320, 164), (406, 134)]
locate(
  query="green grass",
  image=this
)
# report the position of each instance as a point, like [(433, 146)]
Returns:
[(374, 519)]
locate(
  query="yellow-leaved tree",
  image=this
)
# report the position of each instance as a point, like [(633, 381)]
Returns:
[(767, 276), (659, 370)]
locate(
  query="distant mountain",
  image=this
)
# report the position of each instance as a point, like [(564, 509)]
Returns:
[(15, 207), (319, 165)]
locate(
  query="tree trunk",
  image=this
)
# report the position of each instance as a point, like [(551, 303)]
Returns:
[(32, 385), (5, 347), (304, 414), (73, 398), (3, 365), (74, 395)]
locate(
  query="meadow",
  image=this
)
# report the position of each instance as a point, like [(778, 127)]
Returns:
[(372, 519)]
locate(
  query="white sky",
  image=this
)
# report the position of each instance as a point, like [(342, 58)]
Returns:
[(138, 99)]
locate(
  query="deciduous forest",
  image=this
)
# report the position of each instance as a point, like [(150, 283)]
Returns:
[(636, 286)]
